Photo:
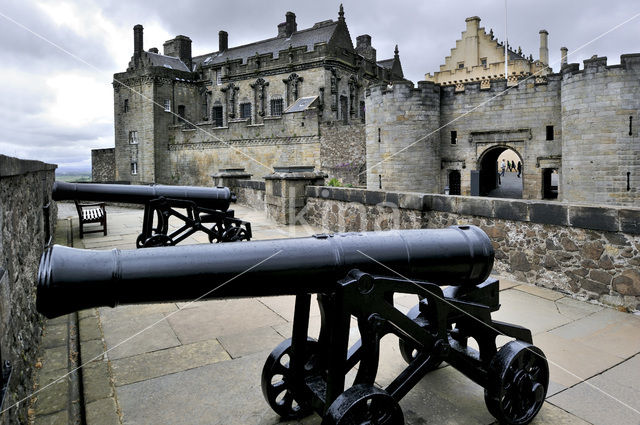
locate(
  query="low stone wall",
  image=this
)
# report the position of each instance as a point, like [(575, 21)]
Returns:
[(590, 252), (103, 165), (250, 193), (25, 228)]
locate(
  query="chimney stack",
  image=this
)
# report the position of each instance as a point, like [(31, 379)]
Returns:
[(564, 52), (223, 41), (363, 47), (153, 50), (291, 25), (137, 40), (544, 48), (179, 47)]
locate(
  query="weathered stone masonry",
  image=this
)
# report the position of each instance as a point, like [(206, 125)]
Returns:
[(25, 227), (587, 251)]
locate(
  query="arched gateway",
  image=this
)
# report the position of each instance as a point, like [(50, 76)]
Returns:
[(491, 183)]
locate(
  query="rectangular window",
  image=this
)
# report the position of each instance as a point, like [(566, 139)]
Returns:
[(216, 116), (276, 107), (483, 62), (460, 65), (167, 105), (125, 107), (134, 168), (181, 113), (549, 132), (218, 77), (454, 137), (245, 110), (133, 137), (362, 111)]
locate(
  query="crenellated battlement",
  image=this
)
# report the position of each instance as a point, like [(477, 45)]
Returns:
[(629, 63), (427, 93)]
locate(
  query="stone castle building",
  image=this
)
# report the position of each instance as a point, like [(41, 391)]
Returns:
[(294, 99), (449, 131)]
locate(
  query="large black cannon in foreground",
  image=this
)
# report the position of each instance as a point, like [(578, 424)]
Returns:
[(202, 205), (354, 274)]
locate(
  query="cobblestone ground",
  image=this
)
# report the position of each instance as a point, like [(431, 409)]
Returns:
[(510, 187)]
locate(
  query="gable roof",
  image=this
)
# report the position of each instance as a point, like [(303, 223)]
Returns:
[(170, 62), (319, 33)]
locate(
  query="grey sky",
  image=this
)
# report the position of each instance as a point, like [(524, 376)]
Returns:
[(56, 108)]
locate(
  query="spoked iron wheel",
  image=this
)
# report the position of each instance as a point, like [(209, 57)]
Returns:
[(518, 382), (234, 234), (365, 405), (216, 234), (408, 349), (276, 375), (140, 240), (158, 240)]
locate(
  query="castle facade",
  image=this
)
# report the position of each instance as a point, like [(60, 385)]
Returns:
[(445, 136), (294, 99)]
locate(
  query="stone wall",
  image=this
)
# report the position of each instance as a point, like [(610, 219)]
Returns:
[(586, 251), (103, 165), (25, 228), (342, 152), (250, 193)]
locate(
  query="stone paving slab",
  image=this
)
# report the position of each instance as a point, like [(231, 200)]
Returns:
[(599, 400)]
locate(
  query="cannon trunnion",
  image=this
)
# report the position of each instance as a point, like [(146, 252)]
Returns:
[(354, 275), (205, 209)]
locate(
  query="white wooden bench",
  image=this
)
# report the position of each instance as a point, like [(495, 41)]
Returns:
[(92, 213)]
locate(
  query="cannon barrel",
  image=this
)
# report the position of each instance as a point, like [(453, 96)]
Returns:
[(72, 279), (217, 198)]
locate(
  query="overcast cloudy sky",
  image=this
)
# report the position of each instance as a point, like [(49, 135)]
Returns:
[(58, 58)]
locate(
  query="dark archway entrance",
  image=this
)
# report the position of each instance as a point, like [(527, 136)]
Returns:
[(492, 183), (454, 182)]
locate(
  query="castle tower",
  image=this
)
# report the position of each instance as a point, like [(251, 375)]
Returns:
[(403, 144), (600, 154)]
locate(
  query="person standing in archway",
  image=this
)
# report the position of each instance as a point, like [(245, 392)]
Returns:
[(503, 167), (519, 168)]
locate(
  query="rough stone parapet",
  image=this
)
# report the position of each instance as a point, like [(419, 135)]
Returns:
[(285, 194), (27, 222), (590, 252)]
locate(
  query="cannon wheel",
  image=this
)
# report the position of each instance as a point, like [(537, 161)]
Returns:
[(234, 234), (140, 240), (158, 240), (216, 235), (517, 385), (275, 375), (408, 350), (364, 404)]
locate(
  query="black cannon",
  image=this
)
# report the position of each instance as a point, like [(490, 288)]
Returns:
[(203, 206), (354, 274)]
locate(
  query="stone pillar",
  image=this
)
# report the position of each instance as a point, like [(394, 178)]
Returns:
[(227, 177), (285, 191)]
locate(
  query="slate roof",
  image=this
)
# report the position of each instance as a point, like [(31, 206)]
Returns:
[(167, 61), (387, 63), (319, 33)]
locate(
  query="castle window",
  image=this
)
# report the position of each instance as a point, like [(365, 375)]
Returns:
[(245, 110), (125, 107), (483, 62), (460, 65), (133, 137), (276, 107), (454, 137), (218, 77), (134, 168), (549, 132), (181, 113), (362, 111), (167, 105), (216, 115)]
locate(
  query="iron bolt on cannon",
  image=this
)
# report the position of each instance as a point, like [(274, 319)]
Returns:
[(203, 205), (354, 274)]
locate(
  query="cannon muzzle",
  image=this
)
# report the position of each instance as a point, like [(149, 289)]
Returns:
[(217, 198), (73, 279)]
